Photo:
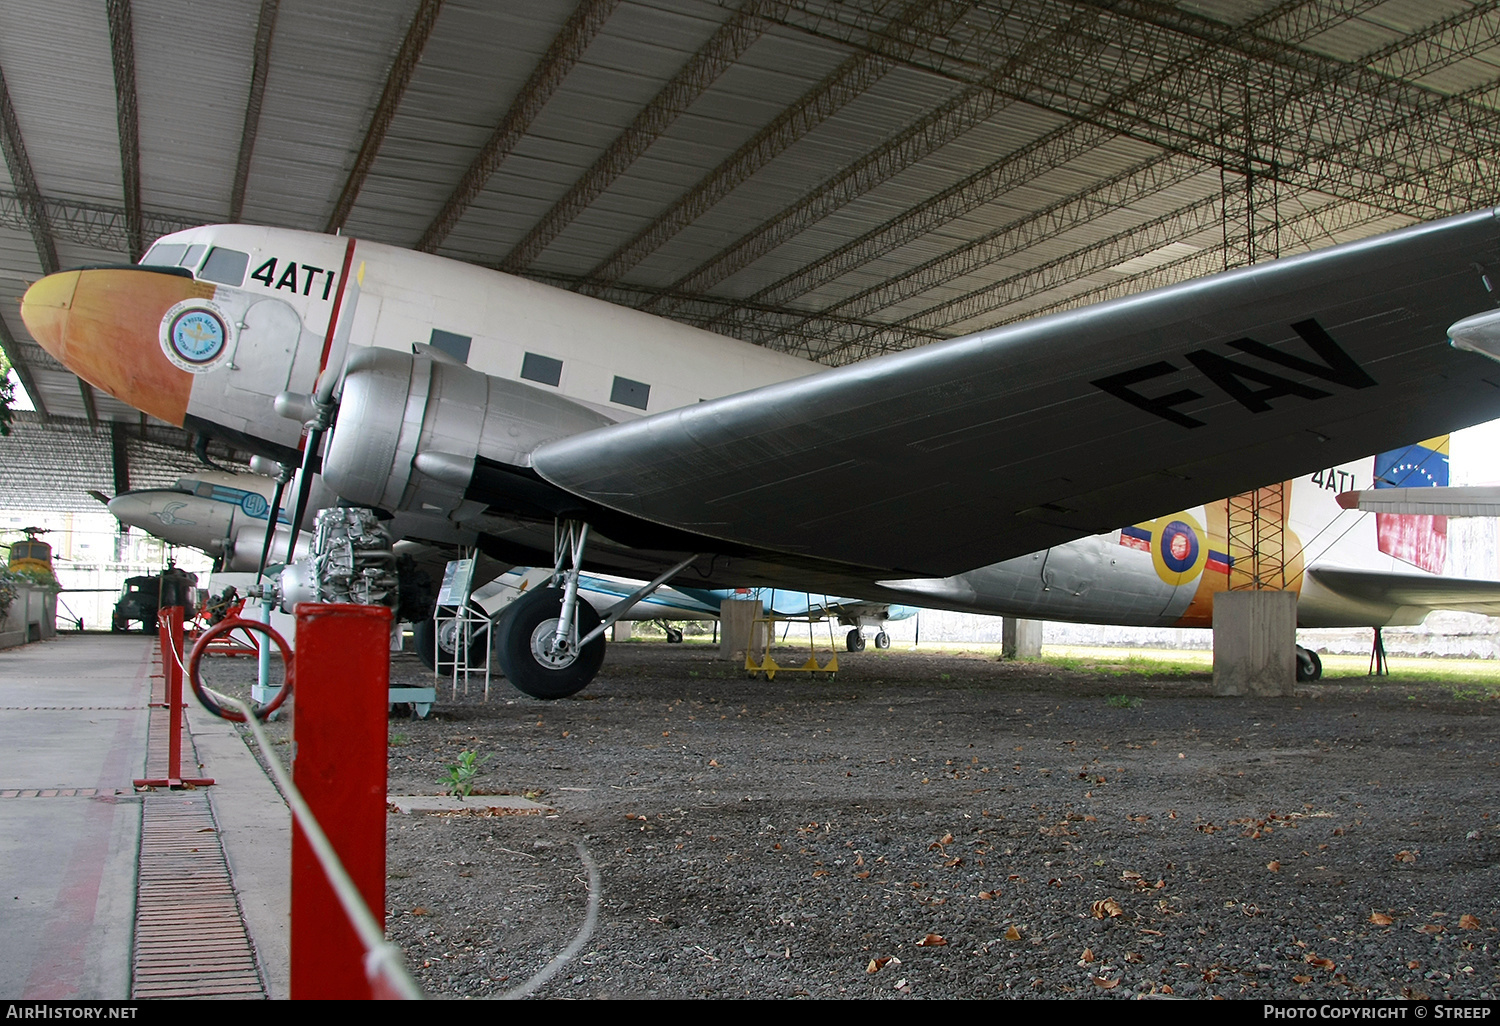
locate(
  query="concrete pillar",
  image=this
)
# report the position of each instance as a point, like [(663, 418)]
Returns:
[(1020, 639), (1255, 643), (735, 619), (621, 630)]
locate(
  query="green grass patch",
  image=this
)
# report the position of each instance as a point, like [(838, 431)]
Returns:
[(1120, 662)]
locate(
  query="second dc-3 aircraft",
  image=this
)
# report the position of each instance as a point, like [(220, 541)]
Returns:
[(553, 429)]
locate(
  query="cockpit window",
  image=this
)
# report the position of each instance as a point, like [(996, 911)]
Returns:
[(194, 254), (164, 254), (225, 266)]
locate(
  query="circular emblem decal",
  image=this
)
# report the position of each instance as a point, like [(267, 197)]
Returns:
[(254, 504), (1177, 548), (195, 335)]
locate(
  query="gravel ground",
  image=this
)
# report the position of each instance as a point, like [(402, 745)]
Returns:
[(951, 826)]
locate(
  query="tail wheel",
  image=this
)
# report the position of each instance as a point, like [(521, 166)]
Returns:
[(1309, 665), (523, 637)]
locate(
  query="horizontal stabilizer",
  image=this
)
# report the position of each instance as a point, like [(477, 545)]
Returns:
[(1437, 502), (1412, 590)]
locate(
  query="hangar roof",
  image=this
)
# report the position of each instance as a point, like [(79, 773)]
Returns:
[(831, 179)]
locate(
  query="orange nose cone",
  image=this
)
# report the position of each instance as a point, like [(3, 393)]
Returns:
[(104, 326)]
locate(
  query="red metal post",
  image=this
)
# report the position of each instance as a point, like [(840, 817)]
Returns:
[(339, 765), (170, 631)]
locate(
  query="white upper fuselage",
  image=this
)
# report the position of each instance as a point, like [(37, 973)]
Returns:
[(402, 298)]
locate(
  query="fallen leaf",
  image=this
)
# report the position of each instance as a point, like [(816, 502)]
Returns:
[(986, 895), (953, 862), (1431, 929), (932, 940), (877, 964), (713, 762), (1380, 919), (946, 839), (420, 911), (1086, 957), (1321, 963), (1012, 934), (902, 985), (1274, 866), (1106, 907), (1468, 922), (1406, 856), (1304, 980), (863, 874), (1166, 988), (1103, 984)]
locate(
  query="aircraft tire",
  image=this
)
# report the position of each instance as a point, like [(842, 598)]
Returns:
[(882, 640), (674, 636), (855, 642), (425, 633), (523, 628), (1309, 665)]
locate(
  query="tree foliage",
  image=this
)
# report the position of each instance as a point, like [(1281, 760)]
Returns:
[(7, 396)]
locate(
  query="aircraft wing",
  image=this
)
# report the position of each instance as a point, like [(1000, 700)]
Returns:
[(1419, 591), (1471, 501), (956, 455)]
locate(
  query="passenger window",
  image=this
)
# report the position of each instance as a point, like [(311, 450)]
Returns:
[(164, 254), (542, 369), (225, 266), (456, 346), (630, 393)]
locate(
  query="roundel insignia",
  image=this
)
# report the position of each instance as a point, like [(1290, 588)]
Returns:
[(1178, 548), (254, 504), (195, 335)]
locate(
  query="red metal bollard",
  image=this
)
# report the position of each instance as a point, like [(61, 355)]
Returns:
[(339, 766), (169, 627)]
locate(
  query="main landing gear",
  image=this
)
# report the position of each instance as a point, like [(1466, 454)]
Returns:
[(432, 638), (855, 640), (550, 643), (1309, 666)]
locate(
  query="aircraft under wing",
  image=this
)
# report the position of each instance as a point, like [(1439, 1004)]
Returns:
[(961, 454), (1418, 594)]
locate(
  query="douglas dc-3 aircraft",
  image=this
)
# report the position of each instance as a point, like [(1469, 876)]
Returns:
[(559, 430)]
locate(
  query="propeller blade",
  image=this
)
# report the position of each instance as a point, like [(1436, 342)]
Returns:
[(304, 487), (265, 549)]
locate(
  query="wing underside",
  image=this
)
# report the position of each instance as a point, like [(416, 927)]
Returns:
[(961, 454)]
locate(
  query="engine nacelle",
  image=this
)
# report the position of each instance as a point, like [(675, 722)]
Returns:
[(410, 428)]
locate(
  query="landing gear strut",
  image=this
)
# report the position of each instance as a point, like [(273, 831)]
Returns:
[(549, 643)]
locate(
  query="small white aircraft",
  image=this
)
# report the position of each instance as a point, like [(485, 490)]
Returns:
[(553, 429)]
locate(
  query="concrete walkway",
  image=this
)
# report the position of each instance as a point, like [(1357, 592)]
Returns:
[(73, 735)]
